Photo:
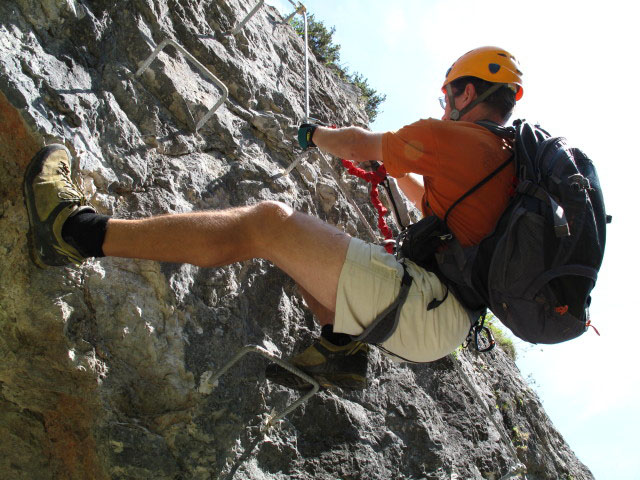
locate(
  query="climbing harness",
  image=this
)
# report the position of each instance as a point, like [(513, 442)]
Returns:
[(386, 322), (205, 71)]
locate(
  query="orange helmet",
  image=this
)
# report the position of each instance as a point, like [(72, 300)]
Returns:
[(492, 64)]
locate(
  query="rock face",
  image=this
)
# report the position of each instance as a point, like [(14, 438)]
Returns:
[(105, 368)]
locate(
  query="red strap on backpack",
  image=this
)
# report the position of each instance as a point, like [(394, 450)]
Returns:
[(589, 324)]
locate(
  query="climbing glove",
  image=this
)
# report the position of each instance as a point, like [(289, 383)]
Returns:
[(305, 134)]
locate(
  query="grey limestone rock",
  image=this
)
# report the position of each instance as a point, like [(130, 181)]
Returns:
[(106, 368)]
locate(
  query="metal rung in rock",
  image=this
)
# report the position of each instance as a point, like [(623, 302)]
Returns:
[(240, 25), (201, 67), (299, 8), (256, 349)]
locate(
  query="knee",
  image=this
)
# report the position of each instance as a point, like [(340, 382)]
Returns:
[(269, 218), (272, 212)]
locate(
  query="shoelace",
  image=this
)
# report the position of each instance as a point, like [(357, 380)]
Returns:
[(71, 190)]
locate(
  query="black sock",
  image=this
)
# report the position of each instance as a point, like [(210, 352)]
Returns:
[(339, 339), (85, 231)]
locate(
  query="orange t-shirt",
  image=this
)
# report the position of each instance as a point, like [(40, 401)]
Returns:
[(453, 157)]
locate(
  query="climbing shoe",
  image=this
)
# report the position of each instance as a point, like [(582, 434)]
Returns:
[(331, 365), (51, 198)]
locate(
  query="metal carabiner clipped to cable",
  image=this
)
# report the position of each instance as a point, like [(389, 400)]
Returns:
[(481, 336)]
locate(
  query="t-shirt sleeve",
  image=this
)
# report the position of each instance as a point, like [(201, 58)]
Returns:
[(410, 149)]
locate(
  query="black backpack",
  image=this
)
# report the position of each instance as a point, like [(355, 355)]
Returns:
[(535, 272)]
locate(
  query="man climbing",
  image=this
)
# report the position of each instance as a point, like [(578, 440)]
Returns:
[(345, 281)]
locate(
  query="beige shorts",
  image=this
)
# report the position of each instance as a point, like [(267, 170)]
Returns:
[(370, 282)]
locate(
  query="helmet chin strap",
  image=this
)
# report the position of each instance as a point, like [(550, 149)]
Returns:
[(456, 114)]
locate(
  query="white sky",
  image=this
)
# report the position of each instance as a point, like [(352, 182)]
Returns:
[(580, 60)]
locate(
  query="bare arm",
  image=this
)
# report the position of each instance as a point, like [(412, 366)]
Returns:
[(354, 143), (351, 143), (413, 188)]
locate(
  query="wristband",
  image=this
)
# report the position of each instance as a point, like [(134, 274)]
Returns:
[(305, 135)]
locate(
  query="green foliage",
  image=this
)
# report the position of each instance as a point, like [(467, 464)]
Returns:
[(520, 438), (320, 40), (328, 53), (371, 98), (501, 339), (456, 353)]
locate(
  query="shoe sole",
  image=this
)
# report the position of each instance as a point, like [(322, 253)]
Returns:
[(33, 169)]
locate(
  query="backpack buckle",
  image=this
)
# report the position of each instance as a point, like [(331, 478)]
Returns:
[(579, 182)]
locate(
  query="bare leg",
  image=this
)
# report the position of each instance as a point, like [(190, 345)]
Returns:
[(323, 315), (309, 250)]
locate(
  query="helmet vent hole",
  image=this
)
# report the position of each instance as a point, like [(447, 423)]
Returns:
[(502, 55), (494, 67)]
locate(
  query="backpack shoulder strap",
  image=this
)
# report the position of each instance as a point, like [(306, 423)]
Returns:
[(501, 131), (478, 186)]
